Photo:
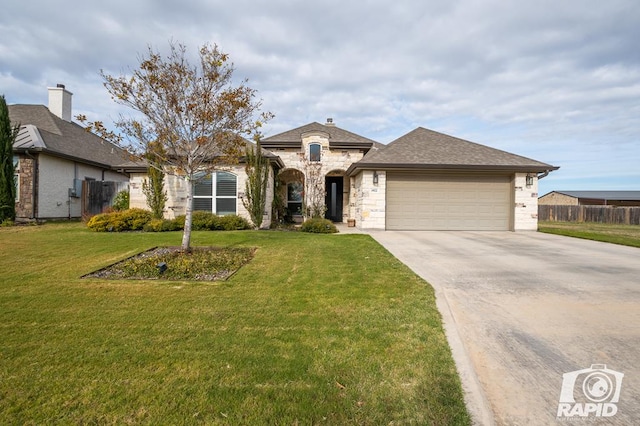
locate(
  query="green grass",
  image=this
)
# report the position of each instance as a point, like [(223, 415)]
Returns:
[(316, 329), (628, 235)]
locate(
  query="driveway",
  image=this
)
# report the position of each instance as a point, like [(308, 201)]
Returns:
[(521, 309)]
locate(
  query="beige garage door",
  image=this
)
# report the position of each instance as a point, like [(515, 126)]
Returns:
[(448, 202)]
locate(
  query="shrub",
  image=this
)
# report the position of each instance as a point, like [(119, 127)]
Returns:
[(206, 221), (100, 222), (319, 226), (233, 222), (118, 221), (121, 201), (135, 219), (163, 225)]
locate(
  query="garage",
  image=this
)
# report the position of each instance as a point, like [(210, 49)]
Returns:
[(453, 202)]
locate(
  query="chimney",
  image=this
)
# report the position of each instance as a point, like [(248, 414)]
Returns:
[(60, 101), (330, 122)]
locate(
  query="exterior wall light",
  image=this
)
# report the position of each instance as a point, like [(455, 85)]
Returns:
[(529, 180), (375, 177)]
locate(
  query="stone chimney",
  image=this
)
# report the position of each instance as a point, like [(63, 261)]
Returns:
[(330, 122), (60, 101)]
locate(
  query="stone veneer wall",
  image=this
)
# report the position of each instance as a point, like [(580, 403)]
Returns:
[(332, 160), (525, 215), (24, 204), (369, 200), (177, 194)]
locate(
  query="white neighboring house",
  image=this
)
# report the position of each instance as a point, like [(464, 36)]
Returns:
[(54, 156)]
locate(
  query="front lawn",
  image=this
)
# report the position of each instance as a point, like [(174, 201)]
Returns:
[(628, 235), (316, 329)]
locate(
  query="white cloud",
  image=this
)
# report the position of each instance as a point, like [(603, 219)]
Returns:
[(556, 81)]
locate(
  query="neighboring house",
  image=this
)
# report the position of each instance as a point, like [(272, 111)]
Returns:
[(591, 198), (53, 157), (424, 180)]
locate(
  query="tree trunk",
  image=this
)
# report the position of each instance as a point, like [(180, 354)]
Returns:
[(186, 234)]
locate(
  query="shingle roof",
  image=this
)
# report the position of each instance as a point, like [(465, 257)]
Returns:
[(427, 149), (42, 130), (337, 137), (603, 195)]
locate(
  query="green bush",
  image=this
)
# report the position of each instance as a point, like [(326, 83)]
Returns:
[(201, 221), (118, 221), (121, 201), (233, 222), (164, 225), (100, 222), (206, 221), (319, 226), (139, 219)]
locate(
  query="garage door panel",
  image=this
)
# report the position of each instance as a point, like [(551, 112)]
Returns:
[(448, 202)]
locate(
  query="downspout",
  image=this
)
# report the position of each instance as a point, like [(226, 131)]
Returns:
[(544, 175), (34, 185)]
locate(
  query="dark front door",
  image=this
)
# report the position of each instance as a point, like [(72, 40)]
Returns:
[(333, 201)]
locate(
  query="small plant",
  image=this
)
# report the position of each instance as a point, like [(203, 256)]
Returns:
[(319, 226), (121, 201)]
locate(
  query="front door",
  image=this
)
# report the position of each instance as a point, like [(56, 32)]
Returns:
[(333, 200)]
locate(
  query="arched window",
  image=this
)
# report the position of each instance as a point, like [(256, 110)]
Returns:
[(314, 152), (217, 193)]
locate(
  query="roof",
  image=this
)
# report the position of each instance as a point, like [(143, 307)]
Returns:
[(338, 138), (602, 195), (427, 149), (41, 130)]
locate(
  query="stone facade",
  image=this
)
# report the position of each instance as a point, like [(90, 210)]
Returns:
[(24, 202), (176, 188), (369, 204), (332, 162), (525, 215)]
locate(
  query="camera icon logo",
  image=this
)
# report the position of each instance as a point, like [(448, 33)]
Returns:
[(590, 391)]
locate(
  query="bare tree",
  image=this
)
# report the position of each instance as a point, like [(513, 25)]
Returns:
[(194, 112)]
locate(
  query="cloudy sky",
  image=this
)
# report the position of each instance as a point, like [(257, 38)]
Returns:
[(557, 81)]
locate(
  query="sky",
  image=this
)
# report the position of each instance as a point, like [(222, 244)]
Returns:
[(557, 81)]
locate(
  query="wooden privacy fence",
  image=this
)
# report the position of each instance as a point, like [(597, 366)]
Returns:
[(98, 195), (600, 214)]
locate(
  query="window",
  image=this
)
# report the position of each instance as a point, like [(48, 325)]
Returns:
[(16, 181), (314, 152), (16, 176), (294, 198), (216, 193)]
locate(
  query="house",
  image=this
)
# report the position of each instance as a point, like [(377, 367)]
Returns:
[(220, 192), (424, 180), (591, 198), (54, 156)]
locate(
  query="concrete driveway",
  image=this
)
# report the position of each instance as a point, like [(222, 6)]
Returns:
[(522, 309)]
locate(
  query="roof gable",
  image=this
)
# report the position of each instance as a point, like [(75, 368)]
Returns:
[(337, 137), (424, 148)]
